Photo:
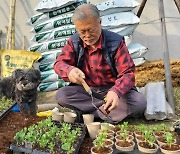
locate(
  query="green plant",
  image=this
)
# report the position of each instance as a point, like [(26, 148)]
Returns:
[(123, 127), (100, 140), (5, 103), (169, 138), (149, 137), (124, 135), (161, 127)]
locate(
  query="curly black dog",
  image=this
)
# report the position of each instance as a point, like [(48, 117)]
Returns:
[(21, 87)]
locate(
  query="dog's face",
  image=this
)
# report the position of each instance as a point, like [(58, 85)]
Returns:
[(26, 79)]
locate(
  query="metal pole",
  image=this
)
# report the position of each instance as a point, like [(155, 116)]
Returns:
[(141, 8), (166, 56)]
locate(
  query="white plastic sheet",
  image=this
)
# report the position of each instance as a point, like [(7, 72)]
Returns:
[(157, 106)]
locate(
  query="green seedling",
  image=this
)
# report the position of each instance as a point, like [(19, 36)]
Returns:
[(169, 138)]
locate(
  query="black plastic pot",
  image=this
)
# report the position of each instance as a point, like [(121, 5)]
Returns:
[(6, 111), (177, 128)]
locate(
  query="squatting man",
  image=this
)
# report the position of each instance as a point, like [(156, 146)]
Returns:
[(101, 58)]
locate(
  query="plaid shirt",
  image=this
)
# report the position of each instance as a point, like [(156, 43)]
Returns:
[(96, 69)]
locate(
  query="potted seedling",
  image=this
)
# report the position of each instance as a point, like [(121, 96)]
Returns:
[(122, 128), (100, 146), (123, 142), (149, 145), (4, 104), (170, 146), (159, 130)]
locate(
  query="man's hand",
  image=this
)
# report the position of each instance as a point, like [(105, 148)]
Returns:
[(76, 76), (111, 101)]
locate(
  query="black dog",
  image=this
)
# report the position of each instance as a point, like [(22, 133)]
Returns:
[(21, 87)]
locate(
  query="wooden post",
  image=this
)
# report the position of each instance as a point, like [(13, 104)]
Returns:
[(7, 37), (177, 2), (141, 8), (166, 56), (11, 27)]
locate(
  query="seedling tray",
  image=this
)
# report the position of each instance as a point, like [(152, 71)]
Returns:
[(77, 144), (6, 111)]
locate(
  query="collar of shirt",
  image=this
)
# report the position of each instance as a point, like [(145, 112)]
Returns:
[(98, 46)]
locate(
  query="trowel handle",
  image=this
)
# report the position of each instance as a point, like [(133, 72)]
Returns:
[(86, 87)]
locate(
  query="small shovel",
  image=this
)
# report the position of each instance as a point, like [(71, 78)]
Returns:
[(89, 91)]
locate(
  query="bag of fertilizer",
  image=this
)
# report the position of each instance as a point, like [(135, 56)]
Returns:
[(48, 46), (45, 16), (50, 86), (49, 76), (63, 31), (49, 56), (64, 19), (124, 30), (119, 19), (49, 5), (46, 66), (14, 59), (128, 39), (136, 50), (139, 61), (114, 6)]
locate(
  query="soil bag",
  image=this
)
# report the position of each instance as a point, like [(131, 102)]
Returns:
[(136, 50), (48, 46), (124, 30), (57, 33), (49, 5), (113, 6), (64, 19), (49, 76), (157, 106), (13, 59), (45, 16), (50, 86), (119, 19), (139, 61)]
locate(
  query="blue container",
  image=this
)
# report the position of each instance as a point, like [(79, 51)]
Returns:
[(16, 108)]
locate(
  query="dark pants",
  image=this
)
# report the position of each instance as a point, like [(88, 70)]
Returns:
[(130, 105)]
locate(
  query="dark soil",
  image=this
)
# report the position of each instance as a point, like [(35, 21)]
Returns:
[(15, 121), (172, 148)]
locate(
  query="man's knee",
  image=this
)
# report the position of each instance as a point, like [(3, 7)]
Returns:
[(61, 97)]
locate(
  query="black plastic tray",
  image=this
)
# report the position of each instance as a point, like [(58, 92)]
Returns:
[(35, 151), (5, 112)]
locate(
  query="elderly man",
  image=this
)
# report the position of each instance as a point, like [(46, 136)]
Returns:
[(101, 58)]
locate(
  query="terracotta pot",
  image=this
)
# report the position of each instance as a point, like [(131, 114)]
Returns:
[(69, 117), (57, 116), (125, 145), (162, 141), (110, 126), (139, 138), (93, 129), (119, 138), (109, 143), (88, 118), (137, 133), (119, 133), (158, 134), (106, 150), (147, 150), (175, 149)]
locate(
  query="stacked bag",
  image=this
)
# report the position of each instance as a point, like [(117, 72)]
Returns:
[(117, 16), (53, 26)]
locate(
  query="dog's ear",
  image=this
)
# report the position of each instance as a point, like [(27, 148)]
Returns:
[(37, 75), (17, 73)]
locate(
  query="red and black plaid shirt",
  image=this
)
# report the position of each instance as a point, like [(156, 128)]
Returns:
[(96, 69)]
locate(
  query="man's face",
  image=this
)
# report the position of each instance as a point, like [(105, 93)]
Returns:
[(89, 30)]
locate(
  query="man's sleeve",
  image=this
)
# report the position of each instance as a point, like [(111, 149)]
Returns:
[(65, 61), (125, 68)]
